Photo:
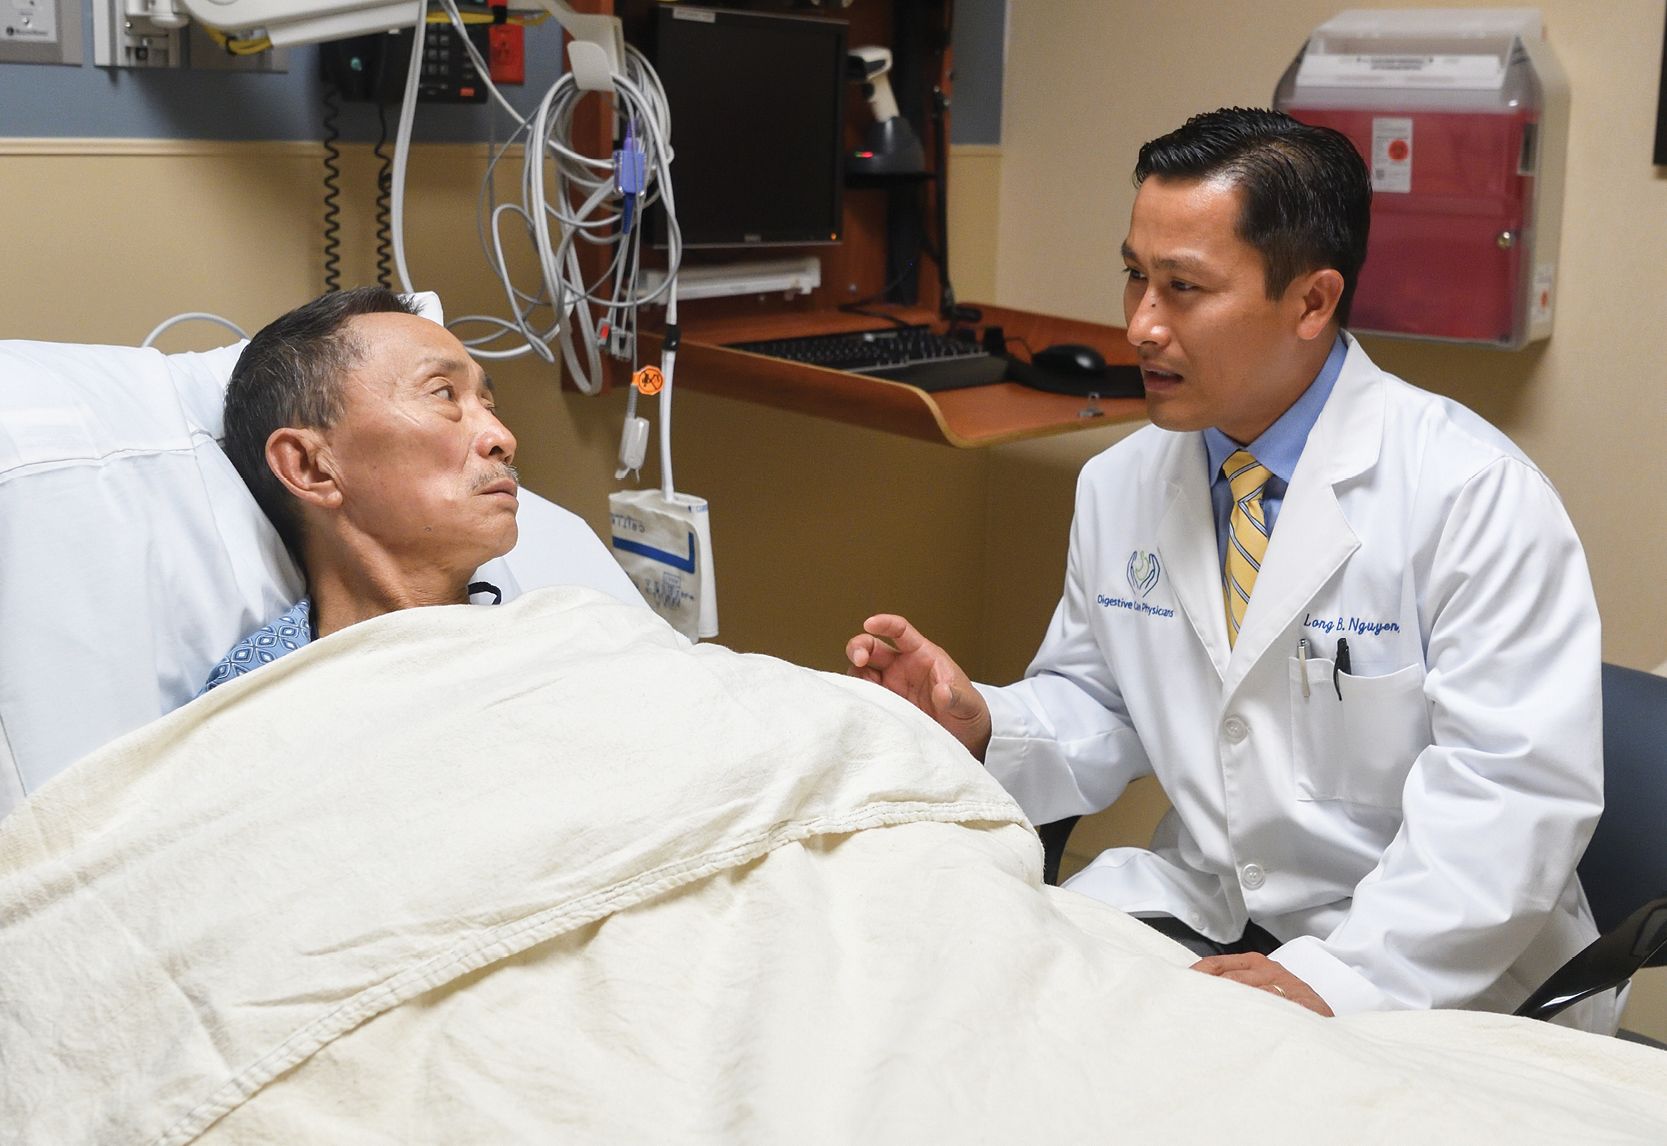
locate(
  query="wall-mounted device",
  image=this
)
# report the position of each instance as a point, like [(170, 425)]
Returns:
[(1462, 117), (284, 23), (890, 145), (287, 22), (151, 34), (374, 68)]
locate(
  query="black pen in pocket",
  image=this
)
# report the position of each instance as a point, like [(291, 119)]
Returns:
[(1342, 665)]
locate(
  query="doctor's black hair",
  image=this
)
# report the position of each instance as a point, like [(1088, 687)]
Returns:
[(1307, 193), (289, 375)]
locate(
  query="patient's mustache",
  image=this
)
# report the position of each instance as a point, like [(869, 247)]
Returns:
[(497, 474)]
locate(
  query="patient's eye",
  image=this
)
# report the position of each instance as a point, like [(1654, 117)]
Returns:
[(446, 391)]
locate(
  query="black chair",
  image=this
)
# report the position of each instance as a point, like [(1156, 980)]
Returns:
[(1054, 838), (1624, 869)]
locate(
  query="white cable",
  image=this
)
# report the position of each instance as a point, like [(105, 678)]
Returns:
[(667, 361), (577, 202), (191, 316), (402, 146), (595, 221), (667, 367)]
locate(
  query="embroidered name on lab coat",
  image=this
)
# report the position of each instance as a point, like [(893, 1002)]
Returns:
[(1358, 625)]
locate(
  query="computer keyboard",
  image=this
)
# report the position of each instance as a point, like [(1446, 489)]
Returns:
[(912, 354)]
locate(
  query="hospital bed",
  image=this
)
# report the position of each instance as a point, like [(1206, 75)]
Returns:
[(548, 872), (134, 557)]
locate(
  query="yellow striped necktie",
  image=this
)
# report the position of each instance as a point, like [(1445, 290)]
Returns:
[(1247, 536)]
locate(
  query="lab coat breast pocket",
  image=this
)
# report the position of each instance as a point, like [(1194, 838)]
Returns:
[(1358, 749)]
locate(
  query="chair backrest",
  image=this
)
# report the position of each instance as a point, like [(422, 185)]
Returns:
[(1625, 865)]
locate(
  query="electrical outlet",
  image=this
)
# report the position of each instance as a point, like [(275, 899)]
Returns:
[(125, 40), (29, 21), (40, 32)]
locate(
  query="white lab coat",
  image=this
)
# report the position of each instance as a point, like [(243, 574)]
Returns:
[(1413, 844)]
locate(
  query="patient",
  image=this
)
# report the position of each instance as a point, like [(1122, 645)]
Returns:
[(369, 438)]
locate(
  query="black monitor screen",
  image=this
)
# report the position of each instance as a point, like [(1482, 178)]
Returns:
[(757, 109)]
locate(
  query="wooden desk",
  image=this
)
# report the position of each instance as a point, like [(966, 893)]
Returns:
[(977, 416)]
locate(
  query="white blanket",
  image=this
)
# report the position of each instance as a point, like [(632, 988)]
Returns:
[(546, 872)]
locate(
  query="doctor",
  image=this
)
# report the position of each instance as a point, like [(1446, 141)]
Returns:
[(1344, 622)]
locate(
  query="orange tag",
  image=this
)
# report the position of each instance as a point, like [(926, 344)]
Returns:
[(649, 381)]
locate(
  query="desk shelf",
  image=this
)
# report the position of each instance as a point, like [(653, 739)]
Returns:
[(970, 418)]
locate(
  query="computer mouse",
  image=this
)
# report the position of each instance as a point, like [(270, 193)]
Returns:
[(1072, 359)]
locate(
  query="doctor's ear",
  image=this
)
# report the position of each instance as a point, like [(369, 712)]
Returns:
[(301, 459), (1318, 293)]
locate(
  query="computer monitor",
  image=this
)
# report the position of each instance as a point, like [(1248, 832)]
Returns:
[(757, 125)]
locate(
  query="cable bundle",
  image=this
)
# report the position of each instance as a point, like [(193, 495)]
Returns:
[(586, 204)]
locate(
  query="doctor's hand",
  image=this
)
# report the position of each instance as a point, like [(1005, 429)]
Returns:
[(891, 652), (1261, 972)]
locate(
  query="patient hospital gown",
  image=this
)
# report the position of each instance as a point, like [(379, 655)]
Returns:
[(266, 644), (292, 631)]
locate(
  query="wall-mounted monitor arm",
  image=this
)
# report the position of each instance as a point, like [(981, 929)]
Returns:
[(289, 22)]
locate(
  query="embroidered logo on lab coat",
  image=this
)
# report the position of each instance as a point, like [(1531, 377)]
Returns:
[(1144, 571)]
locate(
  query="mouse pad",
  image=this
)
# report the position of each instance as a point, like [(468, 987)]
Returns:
[(1117, 381)]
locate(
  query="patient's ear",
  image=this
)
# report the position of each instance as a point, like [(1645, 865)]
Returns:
[(301, 459)]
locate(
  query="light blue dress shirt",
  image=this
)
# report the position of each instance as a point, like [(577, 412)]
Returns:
[(1279, 448)]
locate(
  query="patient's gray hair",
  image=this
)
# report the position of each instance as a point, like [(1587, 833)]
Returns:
[(290, 376)]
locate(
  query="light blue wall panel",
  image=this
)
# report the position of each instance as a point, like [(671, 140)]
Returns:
[(48, 101), (38, 100)]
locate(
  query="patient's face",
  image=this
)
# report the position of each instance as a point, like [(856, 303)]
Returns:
[(422, 460)]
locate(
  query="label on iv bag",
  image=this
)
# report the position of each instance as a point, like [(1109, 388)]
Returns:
[(665, 547)]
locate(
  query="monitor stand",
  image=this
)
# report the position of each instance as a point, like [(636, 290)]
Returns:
[(763, 276)]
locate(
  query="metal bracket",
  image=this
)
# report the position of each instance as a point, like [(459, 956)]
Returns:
[(597, 52)]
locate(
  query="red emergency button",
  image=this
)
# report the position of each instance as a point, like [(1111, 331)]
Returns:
[(1398, 150)]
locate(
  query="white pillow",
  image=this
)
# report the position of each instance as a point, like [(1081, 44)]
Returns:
[(132, 557)]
